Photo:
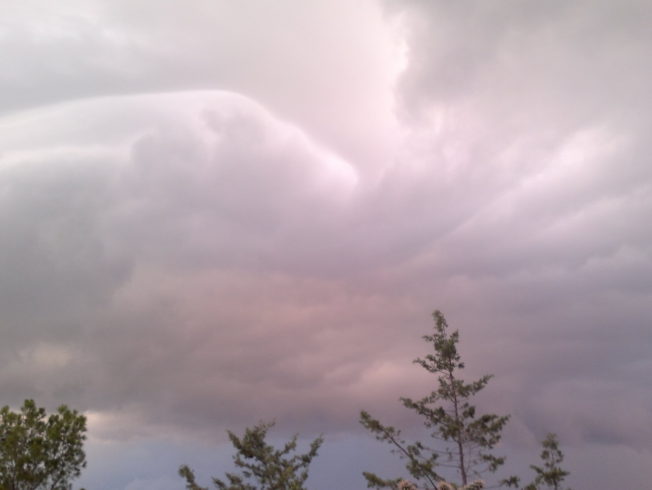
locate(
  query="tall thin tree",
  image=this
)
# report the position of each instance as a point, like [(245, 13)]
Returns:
[(551, 473), (463, 440)]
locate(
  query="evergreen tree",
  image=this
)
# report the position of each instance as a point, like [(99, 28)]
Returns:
[(263, 466), (463, 439), (550, 474)]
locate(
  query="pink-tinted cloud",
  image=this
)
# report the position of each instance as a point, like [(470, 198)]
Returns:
[(176, 259)]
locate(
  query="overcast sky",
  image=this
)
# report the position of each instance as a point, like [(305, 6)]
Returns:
[(216, 212)]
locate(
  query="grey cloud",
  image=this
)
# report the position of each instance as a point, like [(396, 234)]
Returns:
[(541, 54), (192, 245), (530, 135), (166, 255)]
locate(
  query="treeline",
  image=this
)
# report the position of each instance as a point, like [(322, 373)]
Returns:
[(46, 452)]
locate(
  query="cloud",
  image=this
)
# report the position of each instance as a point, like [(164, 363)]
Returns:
[(524, 118), (183, 217), (329, 66), (168, 251)]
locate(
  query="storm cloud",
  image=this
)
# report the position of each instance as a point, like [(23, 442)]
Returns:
[(222, 213)]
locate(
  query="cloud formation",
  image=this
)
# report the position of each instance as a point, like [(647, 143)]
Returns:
[(170, 249), (186, 215)]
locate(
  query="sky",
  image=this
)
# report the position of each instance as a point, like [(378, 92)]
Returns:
[(214, 213)]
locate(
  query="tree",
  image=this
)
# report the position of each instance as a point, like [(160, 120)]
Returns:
[(263, 466), (442, 485), (465, 439), (550, 474), (39, 451)]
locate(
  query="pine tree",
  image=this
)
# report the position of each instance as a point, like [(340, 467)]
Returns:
[(263, 467), (550, 474), (464, 439)]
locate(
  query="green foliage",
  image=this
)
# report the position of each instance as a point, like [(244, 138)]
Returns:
[(189, 475), (475, 485), (550, 474), (263, 467), (442, 485), (464, 439), (39, 451)]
